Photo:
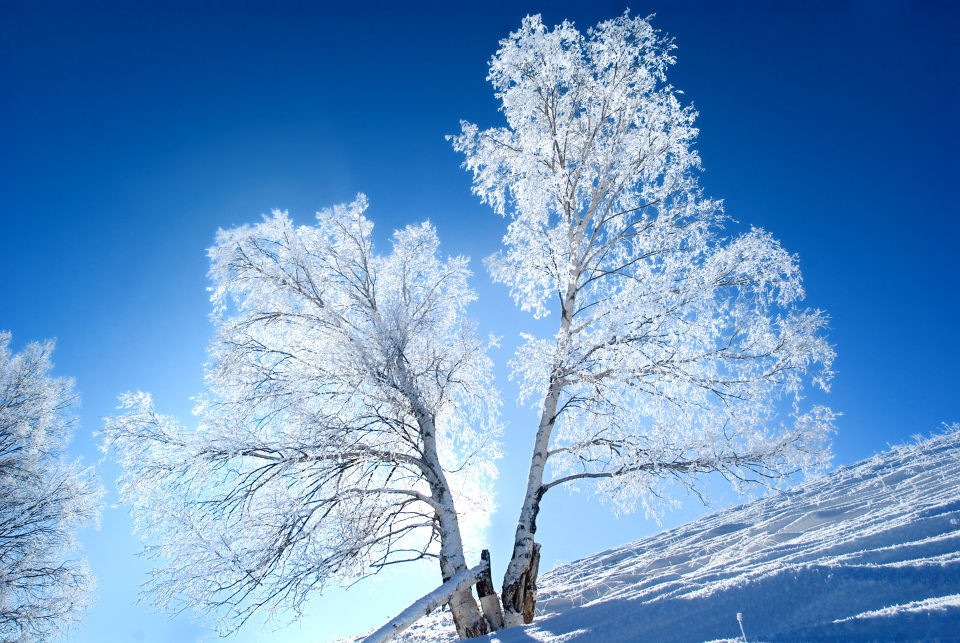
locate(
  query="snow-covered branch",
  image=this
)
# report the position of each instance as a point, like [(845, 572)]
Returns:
[(427, 604)]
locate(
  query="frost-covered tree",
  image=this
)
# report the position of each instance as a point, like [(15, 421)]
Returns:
[(350, 414), (681, 350), (44, 499)]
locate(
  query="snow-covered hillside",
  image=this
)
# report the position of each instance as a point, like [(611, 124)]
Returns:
[(870, 551)]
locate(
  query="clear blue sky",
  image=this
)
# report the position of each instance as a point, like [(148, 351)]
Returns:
[(131, 131)]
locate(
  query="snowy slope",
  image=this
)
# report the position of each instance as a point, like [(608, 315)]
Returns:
[(870, 551)]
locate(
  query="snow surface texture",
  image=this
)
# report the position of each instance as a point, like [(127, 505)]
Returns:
[(870, 551)]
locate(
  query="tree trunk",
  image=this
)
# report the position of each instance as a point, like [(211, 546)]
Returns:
[(466, 616), (489, 602), (463, 607), (520, 580), (522, 593)]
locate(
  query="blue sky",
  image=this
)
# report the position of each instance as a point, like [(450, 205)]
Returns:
[(131, 132)]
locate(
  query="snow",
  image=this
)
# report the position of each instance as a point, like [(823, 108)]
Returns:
[(939, 603), (869, 551)]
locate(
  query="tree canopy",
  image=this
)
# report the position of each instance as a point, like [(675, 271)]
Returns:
[(678, 343), (45, 586), (350, 421)]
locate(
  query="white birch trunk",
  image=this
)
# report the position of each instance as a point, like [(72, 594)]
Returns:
[(466, 614), (519, 582)]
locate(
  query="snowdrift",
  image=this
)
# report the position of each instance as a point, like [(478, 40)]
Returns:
[(870, 551)]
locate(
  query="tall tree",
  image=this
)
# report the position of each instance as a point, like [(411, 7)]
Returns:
[(350, 412), (44, 499), (680, 351)]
